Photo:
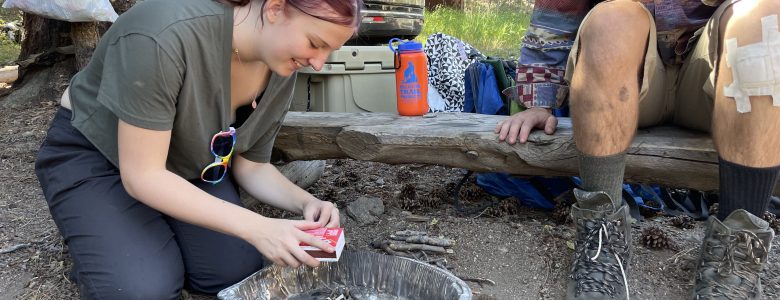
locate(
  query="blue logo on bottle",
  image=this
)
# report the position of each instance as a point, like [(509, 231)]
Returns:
[(410, 87)]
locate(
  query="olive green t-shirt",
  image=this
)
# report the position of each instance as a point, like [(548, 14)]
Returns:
[(165, 65)]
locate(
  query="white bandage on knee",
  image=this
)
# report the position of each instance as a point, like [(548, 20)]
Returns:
[(755, 67)]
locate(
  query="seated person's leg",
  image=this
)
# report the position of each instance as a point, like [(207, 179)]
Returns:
[(748, 139), (605, 92), (747, 143), (605, 97)]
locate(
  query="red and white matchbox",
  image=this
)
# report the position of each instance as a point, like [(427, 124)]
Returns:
[(334, 236)]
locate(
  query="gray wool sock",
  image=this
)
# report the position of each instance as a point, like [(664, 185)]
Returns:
[(604, 173)]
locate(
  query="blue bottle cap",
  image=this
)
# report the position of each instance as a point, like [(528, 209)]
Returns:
[(410, 46), (405, 46)]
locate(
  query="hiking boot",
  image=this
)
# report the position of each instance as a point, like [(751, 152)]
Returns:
[(732, 255), (601, 248)]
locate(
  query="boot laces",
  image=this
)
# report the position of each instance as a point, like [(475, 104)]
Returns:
[(612, 242), (744, 254)]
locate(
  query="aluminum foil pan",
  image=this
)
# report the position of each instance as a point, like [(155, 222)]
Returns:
[(357, 275)]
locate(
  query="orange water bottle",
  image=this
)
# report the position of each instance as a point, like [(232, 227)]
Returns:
[(411, 78)]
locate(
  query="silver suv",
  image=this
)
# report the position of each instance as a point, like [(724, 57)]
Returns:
[(385, 19)]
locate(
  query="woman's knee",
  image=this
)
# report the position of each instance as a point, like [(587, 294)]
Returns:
[(117, 275), (226, 272), (165, 284)]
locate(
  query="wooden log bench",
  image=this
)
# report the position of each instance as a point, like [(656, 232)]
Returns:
[(662, 155)]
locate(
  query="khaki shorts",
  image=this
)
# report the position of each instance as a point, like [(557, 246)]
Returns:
[(681, 94)]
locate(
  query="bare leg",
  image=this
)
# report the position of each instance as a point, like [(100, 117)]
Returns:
[(605, 84), (753, 138), (747, 143)]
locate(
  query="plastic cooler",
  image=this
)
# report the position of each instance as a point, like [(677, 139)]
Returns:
[(353, 79)]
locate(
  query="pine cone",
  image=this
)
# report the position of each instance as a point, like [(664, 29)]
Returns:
[(403, 175), (409, 192), (450, 186), (562, 212), (655, 238), (471, 192), (352, 176), (774, 222), (441, 194), (510, 205), (342, 181), (505, 207), (683, 222), (430, 199), (561, 215), (408, 197)]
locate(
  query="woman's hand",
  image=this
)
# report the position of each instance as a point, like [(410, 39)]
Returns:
[(279, 241), (323, 212), (517, 127)]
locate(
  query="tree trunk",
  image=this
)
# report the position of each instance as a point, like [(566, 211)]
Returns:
[(52, 51), (84, 37)]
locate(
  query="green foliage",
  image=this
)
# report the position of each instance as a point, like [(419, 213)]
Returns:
[(493, 30), (498, 4), (9, 51)]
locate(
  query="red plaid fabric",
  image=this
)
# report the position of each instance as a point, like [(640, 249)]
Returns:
[(527, 75), (531, 81)]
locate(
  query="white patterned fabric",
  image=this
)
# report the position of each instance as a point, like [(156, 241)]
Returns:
[(448, 58)]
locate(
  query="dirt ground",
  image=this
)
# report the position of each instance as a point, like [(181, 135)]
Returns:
[(525, 252)]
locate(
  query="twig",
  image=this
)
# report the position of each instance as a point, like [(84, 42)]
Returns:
[(417, 219), (480, 281), (14, 248), (410, 233), (677, 256), (385, 245), (548, 264), (413, 247), (434, 260), (422, 239), (440, 264), (425, 256), (481, 212), (410, 217)]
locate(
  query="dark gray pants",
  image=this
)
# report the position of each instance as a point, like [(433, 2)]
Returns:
[(121, 248)]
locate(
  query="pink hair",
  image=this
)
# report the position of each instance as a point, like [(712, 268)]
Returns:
[(342, 12)]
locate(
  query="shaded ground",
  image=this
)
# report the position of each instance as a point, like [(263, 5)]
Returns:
[(523, 251)]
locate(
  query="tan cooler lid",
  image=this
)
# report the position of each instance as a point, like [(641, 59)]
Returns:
[(356, 57)]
